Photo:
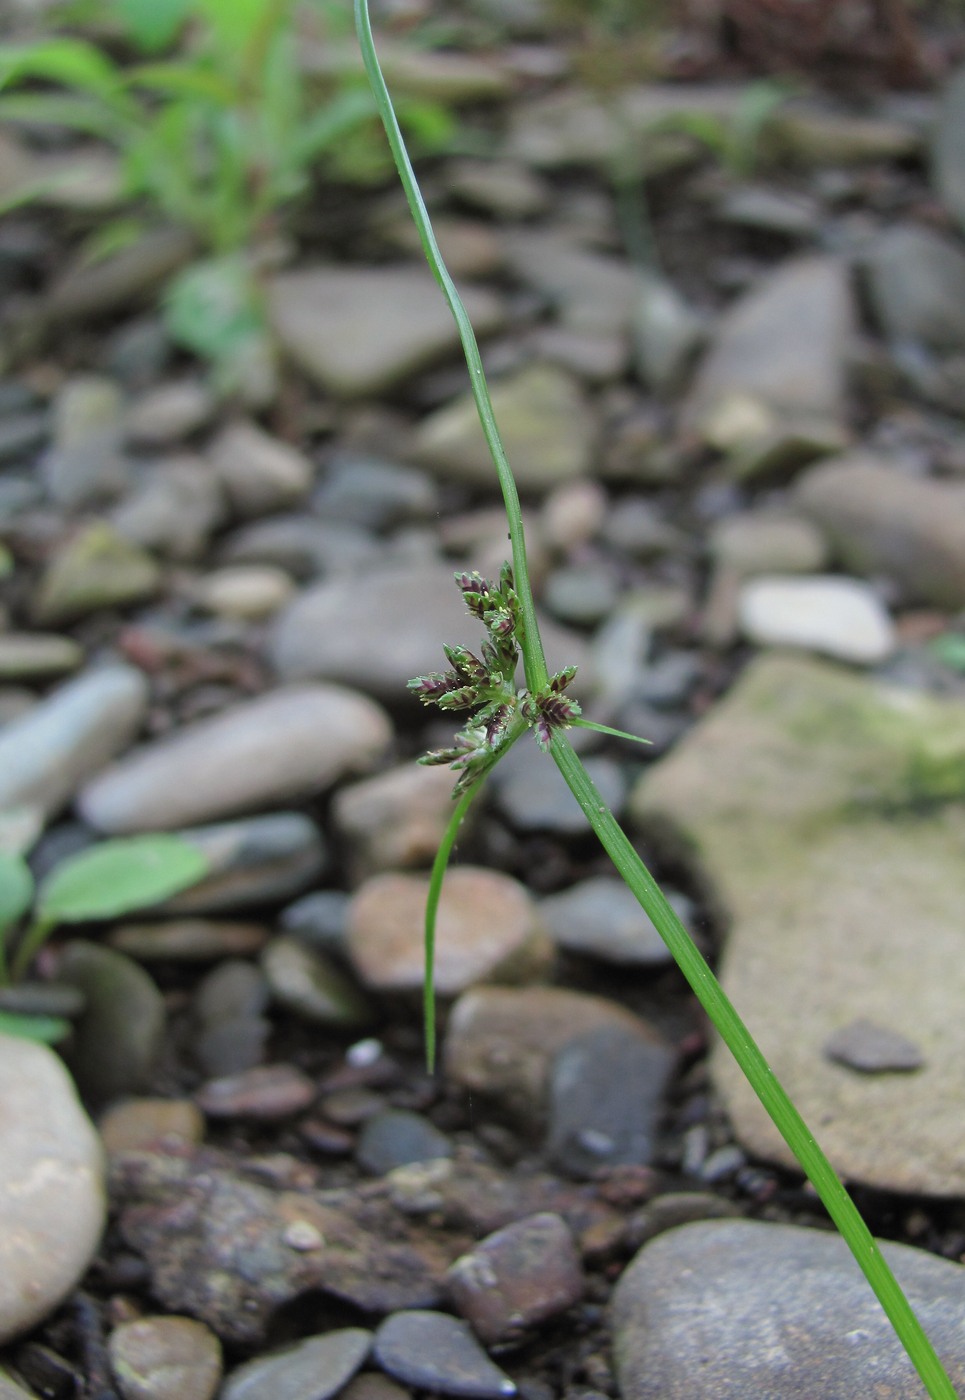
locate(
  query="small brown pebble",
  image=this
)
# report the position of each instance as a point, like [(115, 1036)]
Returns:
[(517, 1277), (154, 1124), (264, 1093)]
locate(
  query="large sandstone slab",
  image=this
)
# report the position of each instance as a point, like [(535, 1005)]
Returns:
[(825, 810)]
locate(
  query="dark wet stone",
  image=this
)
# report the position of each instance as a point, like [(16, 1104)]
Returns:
[(265, 1093), (22, 433), (606, 1097), (234, 1045), (397, 1137), (314, 1369), (319, 919), (435, 1352), (872, 1049), (43, 999), (233, 988), (307, 984), (118, 1038), (517, 1277)]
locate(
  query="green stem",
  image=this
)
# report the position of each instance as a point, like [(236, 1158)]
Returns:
[(626, 860), (534, 660), (29, 945), (432, 905)]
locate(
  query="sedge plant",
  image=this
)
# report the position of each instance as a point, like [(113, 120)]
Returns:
[(500, 712)]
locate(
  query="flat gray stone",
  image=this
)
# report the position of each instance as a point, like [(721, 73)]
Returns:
[(379, 629), (916, 282), (948, 159), (752, 1310), (546, 425), (358, 331), (606, 1099), (881, 523), (176, 506), (46, 754), (781, 346), (314, 1369), (252, 862), (827, 613), (601, 918), (825, 811), (434, 1351), (284, 745), (52, 1195)]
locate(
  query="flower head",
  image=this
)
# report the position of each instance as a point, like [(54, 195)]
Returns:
[(486, 685)]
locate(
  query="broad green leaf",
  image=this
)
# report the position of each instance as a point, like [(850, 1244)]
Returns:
[(16, 890), (117, 876), (70, 61), (152, 25), (210, 308), (48, 1030)]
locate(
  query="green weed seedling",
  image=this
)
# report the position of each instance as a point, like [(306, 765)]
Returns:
[(482, 685), (220, 137), (105, 881)]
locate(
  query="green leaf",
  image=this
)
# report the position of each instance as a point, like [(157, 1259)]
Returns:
[(950, 650), (16, 890), (178, 79), (210, 308), (152, 25), (117, 876), (48, 1030), (6, 562), (72, 62), (344, 113)]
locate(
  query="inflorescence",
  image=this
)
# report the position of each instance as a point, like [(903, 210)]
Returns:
[(486, 685)]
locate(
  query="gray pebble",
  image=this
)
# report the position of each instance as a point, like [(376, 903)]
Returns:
[(319, 918), (47, 754), (606, 1098), (397, 1137), (304, 982), (581, 594), (872, 1049), (435, 1352), (252, 862), (232, 1046), (374, 494), (600, 917), (530, 791), (314, 1369), (233, 988)]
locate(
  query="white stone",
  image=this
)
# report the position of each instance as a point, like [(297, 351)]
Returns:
[(840, 617), (52, 1197)]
